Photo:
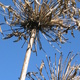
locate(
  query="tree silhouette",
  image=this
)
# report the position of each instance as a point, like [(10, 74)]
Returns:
[(30, 17)]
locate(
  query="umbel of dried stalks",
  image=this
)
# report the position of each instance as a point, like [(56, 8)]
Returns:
[(27, 18), (64, 71), (52, 18)]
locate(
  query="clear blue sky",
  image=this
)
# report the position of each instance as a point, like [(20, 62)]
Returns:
[(12, 55)]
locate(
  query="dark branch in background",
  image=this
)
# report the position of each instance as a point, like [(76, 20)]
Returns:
[(64, 71)]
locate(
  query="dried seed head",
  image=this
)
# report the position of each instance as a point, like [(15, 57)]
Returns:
[(52, 18), (66, 71)]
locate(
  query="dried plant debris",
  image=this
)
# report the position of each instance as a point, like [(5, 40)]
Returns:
[(0, 30), (54, 71), (53, 18)]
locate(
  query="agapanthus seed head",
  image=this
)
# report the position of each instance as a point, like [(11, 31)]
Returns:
[(64, 70), (52, 18)]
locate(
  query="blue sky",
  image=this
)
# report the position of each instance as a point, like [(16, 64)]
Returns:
[(12, 55)]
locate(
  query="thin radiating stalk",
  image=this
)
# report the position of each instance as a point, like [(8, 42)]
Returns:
[(27, 56)]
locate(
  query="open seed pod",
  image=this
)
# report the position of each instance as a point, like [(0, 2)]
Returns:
[(52, 18)]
